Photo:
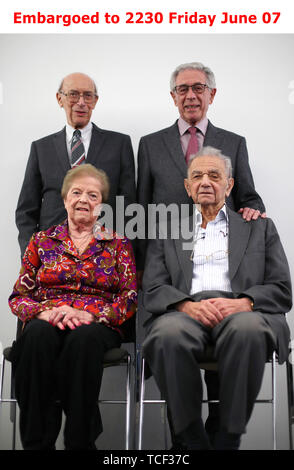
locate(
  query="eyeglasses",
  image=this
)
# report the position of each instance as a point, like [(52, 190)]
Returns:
[(197, 88), (215, 256), (73, 96)]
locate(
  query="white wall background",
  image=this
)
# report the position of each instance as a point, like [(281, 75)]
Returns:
[(255, 98)]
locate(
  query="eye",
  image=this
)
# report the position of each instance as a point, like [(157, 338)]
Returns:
[(214, 176), (182, 89)]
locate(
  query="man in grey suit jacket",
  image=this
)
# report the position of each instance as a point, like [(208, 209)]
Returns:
[(223, 281), (161, 156), (40, 204)]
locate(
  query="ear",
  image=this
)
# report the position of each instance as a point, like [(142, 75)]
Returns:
[(229, 186), (187, 186), (59, 99), (95, 102), (212, 95), (174, 97)]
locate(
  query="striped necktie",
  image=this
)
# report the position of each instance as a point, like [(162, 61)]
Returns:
[(77, 148)]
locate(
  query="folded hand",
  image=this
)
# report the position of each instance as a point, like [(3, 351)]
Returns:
[(66, 316)]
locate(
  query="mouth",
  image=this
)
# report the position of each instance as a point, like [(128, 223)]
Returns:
[(82, 209), (80, 112), (192, 107)]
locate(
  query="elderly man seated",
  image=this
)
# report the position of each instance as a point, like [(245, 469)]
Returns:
[(229, 286)]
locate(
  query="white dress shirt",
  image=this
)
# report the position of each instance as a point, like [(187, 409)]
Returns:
[(86, 134), (210, 254)]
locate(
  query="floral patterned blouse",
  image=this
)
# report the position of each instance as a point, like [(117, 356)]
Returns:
[(102, 280)]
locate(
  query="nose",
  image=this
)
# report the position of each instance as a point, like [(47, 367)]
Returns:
[(205, 181), (81, 99), (190, 93), (83, 197)]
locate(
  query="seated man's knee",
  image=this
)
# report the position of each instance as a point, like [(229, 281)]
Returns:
[(173, 330), (167, 327), (247, 325)]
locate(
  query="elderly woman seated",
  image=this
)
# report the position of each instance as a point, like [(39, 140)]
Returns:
[(76, 288)]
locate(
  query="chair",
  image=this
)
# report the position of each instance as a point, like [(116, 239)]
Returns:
[(210, 363), (115, 357)]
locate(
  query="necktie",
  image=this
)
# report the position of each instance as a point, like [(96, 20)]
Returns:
[(77, 149), (193, 144)]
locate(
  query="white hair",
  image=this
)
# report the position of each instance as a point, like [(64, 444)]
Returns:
[(213, 152), (210, 79)]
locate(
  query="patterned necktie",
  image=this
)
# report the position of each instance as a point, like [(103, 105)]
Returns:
[(193, 144), (77, 148)]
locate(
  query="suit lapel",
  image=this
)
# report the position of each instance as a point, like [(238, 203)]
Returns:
[(61, 149), (97, 141), (239, 233), (212, 137), (173, 144), (184, 248)]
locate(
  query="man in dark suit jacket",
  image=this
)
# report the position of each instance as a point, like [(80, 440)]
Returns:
[(161, 157), (40, 204), (223, 281)]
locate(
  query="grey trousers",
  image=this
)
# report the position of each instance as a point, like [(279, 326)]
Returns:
[(174, 346)]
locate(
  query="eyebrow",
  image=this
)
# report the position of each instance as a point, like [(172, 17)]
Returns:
[(88, 189), (186, 84), (211, 170)]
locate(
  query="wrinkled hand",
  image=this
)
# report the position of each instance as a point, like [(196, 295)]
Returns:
[(66, 316), (230, 306), (251, 214), (204, 312), (210, 312)]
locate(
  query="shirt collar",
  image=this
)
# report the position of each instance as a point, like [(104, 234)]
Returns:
[(85, 131), (184, 126), (61, 232), (222, 215)]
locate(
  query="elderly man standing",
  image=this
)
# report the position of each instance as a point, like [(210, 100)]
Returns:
[(40, 204), (229, 285)]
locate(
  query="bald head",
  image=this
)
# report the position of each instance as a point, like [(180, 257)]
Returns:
[(77, 76), (77, 94)]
